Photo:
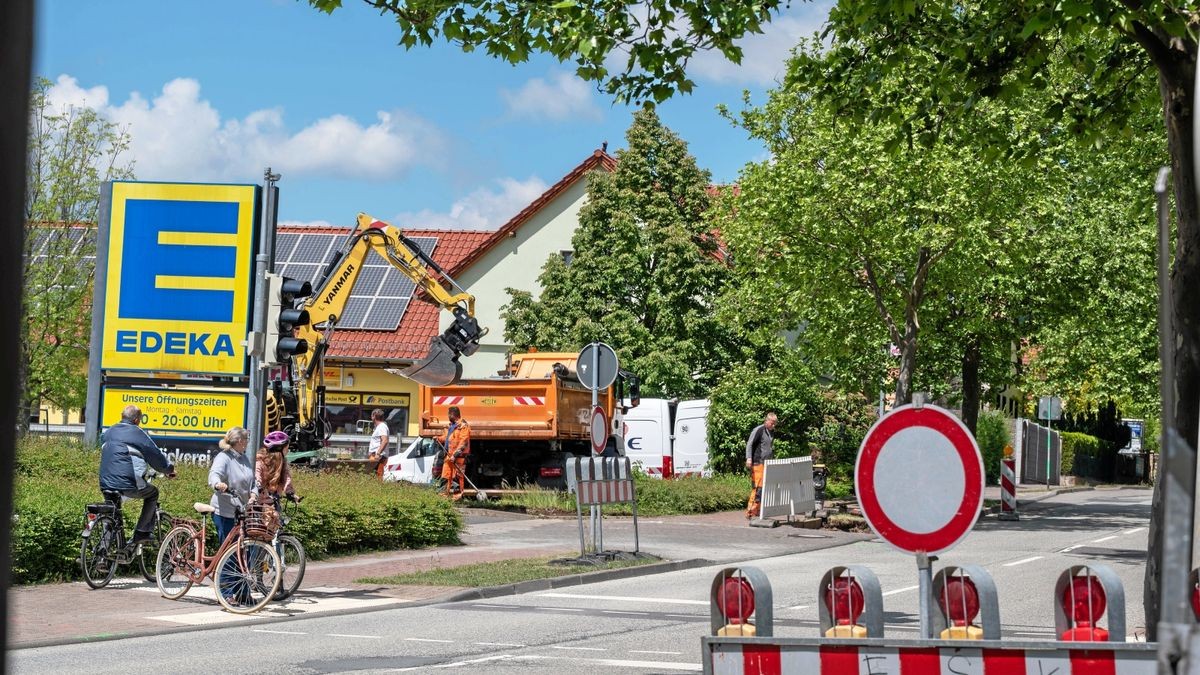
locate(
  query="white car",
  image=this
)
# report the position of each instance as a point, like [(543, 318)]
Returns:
[(414, 464)]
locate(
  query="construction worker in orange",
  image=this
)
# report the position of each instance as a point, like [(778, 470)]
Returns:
[(759, 448), (457, 441)]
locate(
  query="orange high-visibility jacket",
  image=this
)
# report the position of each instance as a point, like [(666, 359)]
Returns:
[(459, 440)]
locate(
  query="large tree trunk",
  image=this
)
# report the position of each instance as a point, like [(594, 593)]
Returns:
[(970, 383), (1176, 76)]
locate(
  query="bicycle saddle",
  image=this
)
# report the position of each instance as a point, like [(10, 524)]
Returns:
[(201, 507)]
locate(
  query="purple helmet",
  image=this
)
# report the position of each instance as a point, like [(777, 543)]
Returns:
[(276, 439)]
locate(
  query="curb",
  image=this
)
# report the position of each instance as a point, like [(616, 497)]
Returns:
[(992, 510), (575, 580)]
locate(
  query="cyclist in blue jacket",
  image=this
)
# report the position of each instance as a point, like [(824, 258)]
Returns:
[(125, 452)]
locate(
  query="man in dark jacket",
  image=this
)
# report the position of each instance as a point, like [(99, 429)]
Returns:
[(759, 448), (125, 451)]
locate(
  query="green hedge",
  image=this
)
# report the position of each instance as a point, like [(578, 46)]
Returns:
[(1076, 445), (991, 432), (341, 513)]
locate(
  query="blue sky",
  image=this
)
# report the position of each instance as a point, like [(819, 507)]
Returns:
[(220, 89)]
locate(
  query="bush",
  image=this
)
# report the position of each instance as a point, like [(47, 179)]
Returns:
[(341, 513), (1079, 453), (845, 420), (744, 397), (991, 432)]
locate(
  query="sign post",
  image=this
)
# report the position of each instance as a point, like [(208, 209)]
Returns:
[(597, 366), (920, 481)]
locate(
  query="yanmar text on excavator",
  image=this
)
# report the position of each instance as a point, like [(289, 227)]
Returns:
[(296, 403)]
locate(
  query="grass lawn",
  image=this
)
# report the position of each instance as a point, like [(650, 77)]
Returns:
[(500, 572)]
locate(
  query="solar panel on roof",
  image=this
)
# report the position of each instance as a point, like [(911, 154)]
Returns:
[(379, 297)]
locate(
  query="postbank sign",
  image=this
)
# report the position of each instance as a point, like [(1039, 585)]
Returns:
[(179, 277)]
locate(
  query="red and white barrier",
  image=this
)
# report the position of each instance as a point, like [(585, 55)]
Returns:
[(767, 658), (448, 400), (596, 492), (1008, 489), (529, 400)]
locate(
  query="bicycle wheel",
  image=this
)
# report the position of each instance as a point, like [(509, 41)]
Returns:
[(148, 559), (247, 576), (292, 559), (176, 556), (97, 554)]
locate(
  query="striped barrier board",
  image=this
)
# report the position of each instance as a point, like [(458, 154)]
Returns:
[(596, 492), (448, 400), (1008, 488), (777, 656), (529, 400)]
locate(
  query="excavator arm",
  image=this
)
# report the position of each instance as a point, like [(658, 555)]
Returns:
[(325, 309)]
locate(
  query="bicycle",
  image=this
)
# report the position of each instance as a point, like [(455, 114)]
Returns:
[(291, 552), (105, 546), (245, 568)]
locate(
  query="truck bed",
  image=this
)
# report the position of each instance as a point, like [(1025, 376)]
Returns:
[(550, 408)]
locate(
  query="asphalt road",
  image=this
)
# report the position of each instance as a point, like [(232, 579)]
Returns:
[(643, 625)]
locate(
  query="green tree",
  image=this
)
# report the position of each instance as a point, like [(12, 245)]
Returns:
[(644, 271), (71, 152), (655, 39)]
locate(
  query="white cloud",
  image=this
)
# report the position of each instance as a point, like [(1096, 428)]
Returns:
[(764, 56), (483, 209), (180, 136), (562, 97)]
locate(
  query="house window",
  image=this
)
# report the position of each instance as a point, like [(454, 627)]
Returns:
[(567, 256)]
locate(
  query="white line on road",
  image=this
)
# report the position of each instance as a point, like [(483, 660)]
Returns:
[(1134, 530), (648, 665), (277, 632), (624, 598), (1104, 539), (681, 616), (617, 611), (639, 651), (498, 644), (799, 606), (1070, 548), (1022, 562), (429, 640), (458, 664), (580, 649), (347, 635), (901, 590), (559, 609)]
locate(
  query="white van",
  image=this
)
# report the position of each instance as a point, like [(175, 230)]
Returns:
[(668, 437), (414, 464)]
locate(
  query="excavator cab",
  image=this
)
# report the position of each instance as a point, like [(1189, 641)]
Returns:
[(440, 365)]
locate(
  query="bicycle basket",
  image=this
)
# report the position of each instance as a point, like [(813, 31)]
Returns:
[(262, 521)]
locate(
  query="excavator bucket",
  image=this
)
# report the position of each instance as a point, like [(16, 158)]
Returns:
[(439, 368)]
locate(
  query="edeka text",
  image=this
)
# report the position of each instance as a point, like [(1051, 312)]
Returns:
[(153, 342)]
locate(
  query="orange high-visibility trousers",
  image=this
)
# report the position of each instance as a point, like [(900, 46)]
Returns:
[(453, 471), (752, 504)]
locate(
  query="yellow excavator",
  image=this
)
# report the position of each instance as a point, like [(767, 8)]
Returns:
[(296, 403)]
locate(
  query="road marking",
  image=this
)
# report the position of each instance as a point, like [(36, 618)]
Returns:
[(458, 664), (901, 590), (799, 606), (1134, 530), (498, 644), (639, 651), (617, 611), (580, 649), (277, 632), (1070, 548), (348, 635), (624, 598), (647, 665), (559, 609), (682, 616), (429, 640), (1104, 539), (1022, 562), (308, 604)]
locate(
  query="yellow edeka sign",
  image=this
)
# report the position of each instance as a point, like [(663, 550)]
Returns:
[(179, 277), (177, 412)]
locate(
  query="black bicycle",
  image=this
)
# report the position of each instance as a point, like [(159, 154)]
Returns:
[(105, 545), (292, 558)]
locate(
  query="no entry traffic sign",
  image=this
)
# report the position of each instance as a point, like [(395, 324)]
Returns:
[(599, 430), (919, 478)]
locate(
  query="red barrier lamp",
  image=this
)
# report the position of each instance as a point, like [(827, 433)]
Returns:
[(844, 599), (1084, 602), (735, 601)]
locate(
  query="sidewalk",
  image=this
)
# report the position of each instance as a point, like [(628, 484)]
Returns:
[(69, 613)]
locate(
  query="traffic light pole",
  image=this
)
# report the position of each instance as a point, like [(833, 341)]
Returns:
[(263, 263)]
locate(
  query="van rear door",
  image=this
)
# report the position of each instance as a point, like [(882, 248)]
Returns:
[(646, 435), (691, 438)]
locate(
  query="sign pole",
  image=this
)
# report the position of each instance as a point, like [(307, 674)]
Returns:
[(925, 586), (91, 417), (597, 511)]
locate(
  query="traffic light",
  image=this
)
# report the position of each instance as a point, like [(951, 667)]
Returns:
[(283, 318)]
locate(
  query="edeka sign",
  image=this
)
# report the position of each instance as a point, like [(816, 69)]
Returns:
[(179, 277), (177, 412)]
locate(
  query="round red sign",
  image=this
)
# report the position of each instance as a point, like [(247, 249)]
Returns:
[(599, 430), (919, 479)]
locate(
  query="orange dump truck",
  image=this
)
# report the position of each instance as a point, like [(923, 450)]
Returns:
[(527, 423)]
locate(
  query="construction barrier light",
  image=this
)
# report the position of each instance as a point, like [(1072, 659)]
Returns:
[(1194, 584), (966, 599), (851, 603), (741, 603), (1085, 595)]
